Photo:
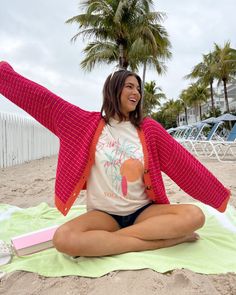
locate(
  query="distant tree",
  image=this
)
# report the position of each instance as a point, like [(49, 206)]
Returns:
[(184, 101), (205, 73), (169, 113), (152, 97), (197, 94), (178, 106), (225, 58), (163, 120), (121, 29)]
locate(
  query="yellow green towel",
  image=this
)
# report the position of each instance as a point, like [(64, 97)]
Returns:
[(214, 253)]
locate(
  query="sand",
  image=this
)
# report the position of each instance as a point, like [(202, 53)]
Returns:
[(33, 182)]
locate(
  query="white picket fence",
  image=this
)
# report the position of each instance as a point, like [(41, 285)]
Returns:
[(23, 139)]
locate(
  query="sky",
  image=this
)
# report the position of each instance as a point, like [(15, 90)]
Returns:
[(35, 40)]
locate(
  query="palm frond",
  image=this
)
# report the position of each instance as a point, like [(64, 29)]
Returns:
[(129, 23), (99, 52)]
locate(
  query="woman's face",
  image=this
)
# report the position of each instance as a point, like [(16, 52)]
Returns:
[(130, 95)]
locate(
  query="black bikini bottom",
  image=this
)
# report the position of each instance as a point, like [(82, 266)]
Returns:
[(128, 220)]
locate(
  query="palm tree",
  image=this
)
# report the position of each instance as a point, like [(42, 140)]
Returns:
[(225, 58), (197, 94), (171, 111), (178, 108), (103, 19), (116, 26), (150, 44), (141, 54), (152, 97), (98, 52), (205, 71), (184, 100)]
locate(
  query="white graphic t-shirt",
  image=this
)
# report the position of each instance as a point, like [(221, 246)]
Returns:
[(115, 184)]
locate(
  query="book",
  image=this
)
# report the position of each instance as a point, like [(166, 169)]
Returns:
[(34, 241)]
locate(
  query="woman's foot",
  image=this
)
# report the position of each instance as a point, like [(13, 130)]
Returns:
[(193, 237)]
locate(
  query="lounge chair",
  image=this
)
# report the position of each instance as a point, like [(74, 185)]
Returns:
[(184, 133), (196, 146), (222, 149)]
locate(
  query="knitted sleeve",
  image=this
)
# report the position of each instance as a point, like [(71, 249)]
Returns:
[(39, 102), (189, 174)]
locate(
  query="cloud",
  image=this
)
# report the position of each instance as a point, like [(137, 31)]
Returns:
[(193, 27), (36, 41)]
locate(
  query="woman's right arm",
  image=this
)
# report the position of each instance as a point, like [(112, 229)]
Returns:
[(39, 102)]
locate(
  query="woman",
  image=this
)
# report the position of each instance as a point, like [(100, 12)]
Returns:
[(119, 156)]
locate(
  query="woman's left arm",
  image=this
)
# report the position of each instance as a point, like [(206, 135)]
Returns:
[(189, 174), (39, 102)]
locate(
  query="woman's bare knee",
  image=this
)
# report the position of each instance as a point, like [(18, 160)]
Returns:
[(195, 216), (62, 238), (59, 238), (70, 238), (69, 242)]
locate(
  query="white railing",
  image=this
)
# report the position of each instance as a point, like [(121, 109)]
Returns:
[(23, 139)]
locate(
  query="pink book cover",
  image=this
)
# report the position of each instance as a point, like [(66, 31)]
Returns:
[(33, 238)]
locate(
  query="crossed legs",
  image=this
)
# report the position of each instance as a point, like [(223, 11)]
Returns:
[(96, 233)]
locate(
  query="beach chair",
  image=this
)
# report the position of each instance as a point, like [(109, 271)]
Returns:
[(171, 130), (197, 145), (180, 132), (195, 133), (222, 149), (184, 134)]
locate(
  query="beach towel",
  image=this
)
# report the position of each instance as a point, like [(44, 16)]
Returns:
[(214, 253)]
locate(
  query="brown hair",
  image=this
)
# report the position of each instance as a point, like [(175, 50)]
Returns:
[(111, 98)]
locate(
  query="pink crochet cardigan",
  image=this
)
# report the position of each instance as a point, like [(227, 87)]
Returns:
[(79, 130)]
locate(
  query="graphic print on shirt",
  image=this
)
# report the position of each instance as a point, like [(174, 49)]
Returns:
[(123, 162), (131, 170)]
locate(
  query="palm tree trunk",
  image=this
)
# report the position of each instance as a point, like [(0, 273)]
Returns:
[(179, 118), (121, 57), (212, 100), (144, 76), (200, 112), (195, 112), (144, 71), (226, 96), (186, 115)]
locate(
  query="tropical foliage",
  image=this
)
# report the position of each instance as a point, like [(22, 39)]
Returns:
[(168, 114), (193, 96), (152, 97), (184, 102), (129, 34), (126, 32), (197, 94), (205, 71), (219, 65), (225, 58)]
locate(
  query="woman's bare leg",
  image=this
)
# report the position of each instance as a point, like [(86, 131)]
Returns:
[(97, 234), (165, 222)]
